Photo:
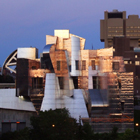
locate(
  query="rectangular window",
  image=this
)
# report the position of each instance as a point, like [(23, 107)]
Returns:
[(77, 64), (93, 64), (115, 65), (96, 82), (58, 65), (125, 62), (37, 82), (84, 65), (122, 106), (61, 82), (21, 125), (6, 127), (137, 62)]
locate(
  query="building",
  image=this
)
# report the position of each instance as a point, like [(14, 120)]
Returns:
[(92, 84), (123, 34), (115, 24), (131, 56)]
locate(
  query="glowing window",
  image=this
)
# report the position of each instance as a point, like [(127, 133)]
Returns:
[(125, 62), (137, 62)]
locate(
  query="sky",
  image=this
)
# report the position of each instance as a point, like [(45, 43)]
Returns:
[(25, 23)]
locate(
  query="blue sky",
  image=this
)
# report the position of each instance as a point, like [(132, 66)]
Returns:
[(25, 23)]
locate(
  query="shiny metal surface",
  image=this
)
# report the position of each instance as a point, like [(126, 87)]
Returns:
[(46, 49), (54, 99), (8, 100), (28, 53), (98, 97), (75, 55)]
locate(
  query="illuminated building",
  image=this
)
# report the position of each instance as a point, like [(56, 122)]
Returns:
[(115, 24), (123, 34), (92, 84)]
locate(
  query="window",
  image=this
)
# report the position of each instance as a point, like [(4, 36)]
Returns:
[(96, 82), (137, 62), (93, 64), (77, 64), (6, 127), (125, 62), (115, 65), (21, 125), (136, 56), (84, 65), (58, 65), (33, 67), (37, 82), (122, 106), (61, 82)]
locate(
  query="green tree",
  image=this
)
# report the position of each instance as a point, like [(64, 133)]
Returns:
[(54, 124)]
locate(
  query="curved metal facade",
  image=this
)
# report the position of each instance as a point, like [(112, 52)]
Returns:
[(75, 55), (46, 49)]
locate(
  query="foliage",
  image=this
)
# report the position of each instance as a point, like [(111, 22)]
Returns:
[(58, 124), (17, 135), (54, 123)]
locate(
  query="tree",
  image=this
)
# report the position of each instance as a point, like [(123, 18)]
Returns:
[(54, 124)]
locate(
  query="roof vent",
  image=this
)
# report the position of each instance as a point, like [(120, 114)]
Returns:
[(115, 10)]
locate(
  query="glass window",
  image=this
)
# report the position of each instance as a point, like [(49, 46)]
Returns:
[(115, 65), (84, 65), (93, 64), (125, 62), (58, 65), (61, 82), (137, 62), (96, 82), (77, 64)]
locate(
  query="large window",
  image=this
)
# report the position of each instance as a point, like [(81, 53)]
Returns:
[(58, 65), (84, 65), (115, 65), (93, 64), (77, 64)]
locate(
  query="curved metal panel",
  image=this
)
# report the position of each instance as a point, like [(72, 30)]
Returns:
[(75, 55), (46, 49)]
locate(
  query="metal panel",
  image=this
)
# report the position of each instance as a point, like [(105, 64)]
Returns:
[(46, 49), (29, 53), (95, 97), (61, 33), (75, 55), (8, 100), (53, 99)]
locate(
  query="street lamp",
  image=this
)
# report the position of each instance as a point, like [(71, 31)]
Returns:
[(137, 124), (53, 125)]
